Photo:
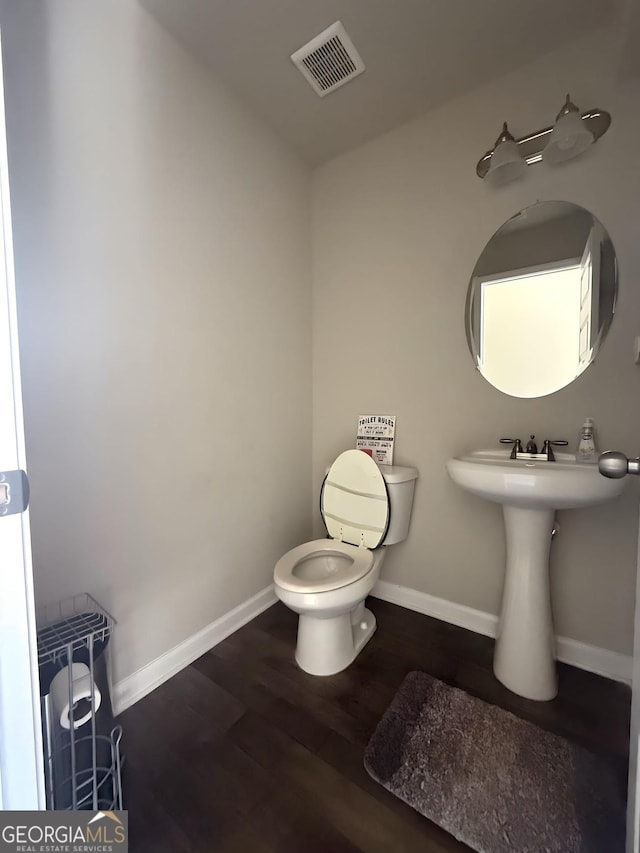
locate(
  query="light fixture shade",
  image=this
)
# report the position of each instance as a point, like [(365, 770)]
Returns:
[(570, 136), (506, 162)]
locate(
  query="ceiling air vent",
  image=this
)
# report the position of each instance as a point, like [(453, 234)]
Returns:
[(329, 60)]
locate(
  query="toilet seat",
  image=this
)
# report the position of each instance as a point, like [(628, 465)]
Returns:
[(355, 507), (322, 565)]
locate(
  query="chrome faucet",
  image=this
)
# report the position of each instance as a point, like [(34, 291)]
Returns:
[(532, 451)]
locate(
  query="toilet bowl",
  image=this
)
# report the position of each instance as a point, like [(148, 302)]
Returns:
[(327, 580)]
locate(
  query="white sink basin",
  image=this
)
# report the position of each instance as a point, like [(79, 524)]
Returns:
[(530, 492), (563, 484)]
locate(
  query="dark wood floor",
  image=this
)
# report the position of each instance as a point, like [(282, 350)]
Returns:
[(243, 752)]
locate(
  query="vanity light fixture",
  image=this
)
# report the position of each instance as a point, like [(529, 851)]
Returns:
[(506, 162), (571, 135)]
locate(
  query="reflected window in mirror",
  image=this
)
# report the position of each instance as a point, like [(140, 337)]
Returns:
[(541, 299)]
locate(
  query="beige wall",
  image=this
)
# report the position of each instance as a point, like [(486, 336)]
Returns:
[(162, 262), (162, 265), (398, 225)]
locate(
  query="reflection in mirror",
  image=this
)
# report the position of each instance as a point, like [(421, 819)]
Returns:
[(541, 299)]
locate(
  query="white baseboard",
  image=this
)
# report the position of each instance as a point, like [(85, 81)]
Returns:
[(592, 658), (132, 688), (612, 665)]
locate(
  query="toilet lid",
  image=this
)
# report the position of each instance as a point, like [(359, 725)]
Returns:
[(354, 501)]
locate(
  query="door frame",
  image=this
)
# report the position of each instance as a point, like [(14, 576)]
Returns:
[(21, 757)]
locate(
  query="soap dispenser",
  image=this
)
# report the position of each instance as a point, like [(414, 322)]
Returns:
[(586, 447)]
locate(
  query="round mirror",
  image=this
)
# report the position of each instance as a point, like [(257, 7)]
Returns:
[(541, 299)]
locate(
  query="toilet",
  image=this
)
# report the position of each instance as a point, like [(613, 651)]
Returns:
[(365, 507)]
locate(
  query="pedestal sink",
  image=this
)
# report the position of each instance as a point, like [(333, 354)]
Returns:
[(530, 492)]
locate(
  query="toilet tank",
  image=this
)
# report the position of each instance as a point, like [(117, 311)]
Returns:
[(401, 482)]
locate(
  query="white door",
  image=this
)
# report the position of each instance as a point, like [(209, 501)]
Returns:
[(21, 762), (633, 798), (615, 464)]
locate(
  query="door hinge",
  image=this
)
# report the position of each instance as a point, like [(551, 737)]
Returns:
[(14, 492)]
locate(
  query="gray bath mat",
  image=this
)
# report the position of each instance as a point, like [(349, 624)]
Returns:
[(494, 781)]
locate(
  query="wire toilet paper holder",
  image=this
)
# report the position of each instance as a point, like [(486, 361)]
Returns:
[(82, 764)]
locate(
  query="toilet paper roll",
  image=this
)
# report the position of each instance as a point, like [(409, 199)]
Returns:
[(83, 688)]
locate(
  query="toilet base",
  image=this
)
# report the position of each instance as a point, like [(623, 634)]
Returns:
[(327, 646)]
